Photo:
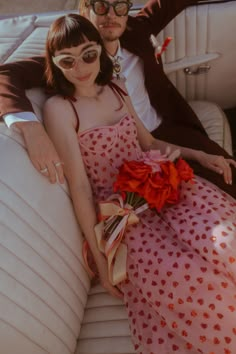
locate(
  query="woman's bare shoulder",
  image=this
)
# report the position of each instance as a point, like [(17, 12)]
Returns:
[(51, 101), (56, 105), (55, 109)]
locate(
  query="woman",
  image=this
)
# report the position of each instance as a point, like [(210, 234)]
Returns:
[(180, 292)]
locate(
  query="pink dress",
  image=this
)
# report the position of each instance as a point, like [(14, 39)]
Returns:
[(180, 293)]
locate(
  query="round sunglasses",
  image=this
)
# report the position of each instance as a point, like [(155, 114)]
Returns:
[(68, 62), (102, 7)]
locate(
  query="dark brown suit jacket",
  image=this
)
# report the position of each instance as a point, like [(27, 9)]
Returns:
[(180, 125)]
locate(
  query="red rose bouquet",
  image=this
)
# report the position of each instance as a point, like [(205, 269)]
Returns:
[(153, 181)]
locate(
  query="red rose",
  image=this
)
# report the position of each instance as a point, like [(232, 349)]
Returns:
[(157, 187), (170, 173), (132, 176), (184, 170)]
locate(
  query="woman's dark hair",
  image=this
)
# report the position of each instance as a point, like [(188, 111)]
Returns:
[(70, 31)]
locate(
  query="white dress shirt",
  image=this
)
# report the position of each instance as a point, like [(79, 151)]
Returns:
[(19, 117), (132, 72)]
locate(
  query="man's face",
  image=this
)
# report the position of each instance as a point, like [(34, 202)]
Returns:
[(110, 25)]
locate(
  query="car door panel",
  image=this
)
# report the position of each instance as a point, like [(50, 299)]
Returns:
[(203, 35)]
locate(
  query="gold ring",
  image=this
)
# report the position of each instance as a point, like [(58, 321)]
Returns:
[(44, 170), (58, 163)]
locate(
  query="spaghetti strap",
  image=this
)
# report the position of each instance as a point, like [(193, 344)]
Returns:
[(117, 90), (71, 100)]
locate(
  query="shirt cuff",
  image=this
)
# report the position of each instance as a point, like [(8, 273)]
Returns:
[(12, 118)]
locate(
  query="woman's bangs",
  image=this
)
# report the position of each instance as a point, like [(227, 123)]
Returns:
[(71, 31), (67, 39)]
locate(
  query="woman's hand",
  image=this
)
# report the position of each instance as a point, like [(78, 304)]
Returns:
[(219, 164), (172, 154), (41, 150), (104, 278)]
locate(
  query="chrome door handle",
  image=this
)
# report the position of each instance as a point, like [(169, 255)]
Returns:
[(201, 69)]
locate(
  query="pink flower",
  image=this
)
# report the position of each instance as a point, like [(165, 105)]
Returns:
[(153, 158)]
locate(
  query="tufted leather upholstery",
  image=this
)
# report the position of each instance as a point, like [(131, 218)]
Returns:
[(105, 326), (215, 122), (43, 283)]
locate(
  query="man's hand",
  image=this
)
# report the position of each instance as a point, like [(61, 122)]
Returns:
[(218, 164), (41, 150)]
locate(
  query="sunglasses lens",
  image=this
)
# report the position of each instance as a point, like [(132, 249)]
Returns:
[(121, 8), (100, 8), (67, 63), (90, 56)]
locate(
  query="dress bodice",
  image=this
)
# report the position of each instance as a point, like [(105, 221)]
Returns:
[(104, 149)]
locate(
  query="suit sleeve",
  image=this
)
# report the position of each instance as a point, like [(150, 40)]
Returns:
[(158, 17), (15, 78)]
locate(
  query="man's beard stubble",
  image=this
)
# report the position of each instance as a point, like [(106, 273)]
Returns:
[(109, 36)]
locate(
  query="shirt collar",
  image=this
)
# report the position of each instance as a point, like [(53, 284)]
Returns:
[(119, 53)]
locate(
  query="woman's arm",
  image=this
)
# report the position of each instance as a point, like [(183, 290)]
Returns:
[(219, 164), (63, 134)]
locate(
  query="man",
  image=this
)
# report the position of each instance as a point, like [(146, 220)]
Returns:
[(159, 105)]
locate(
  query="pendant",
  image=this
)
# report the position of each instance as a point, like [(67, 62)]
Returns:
[(116, 68)]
